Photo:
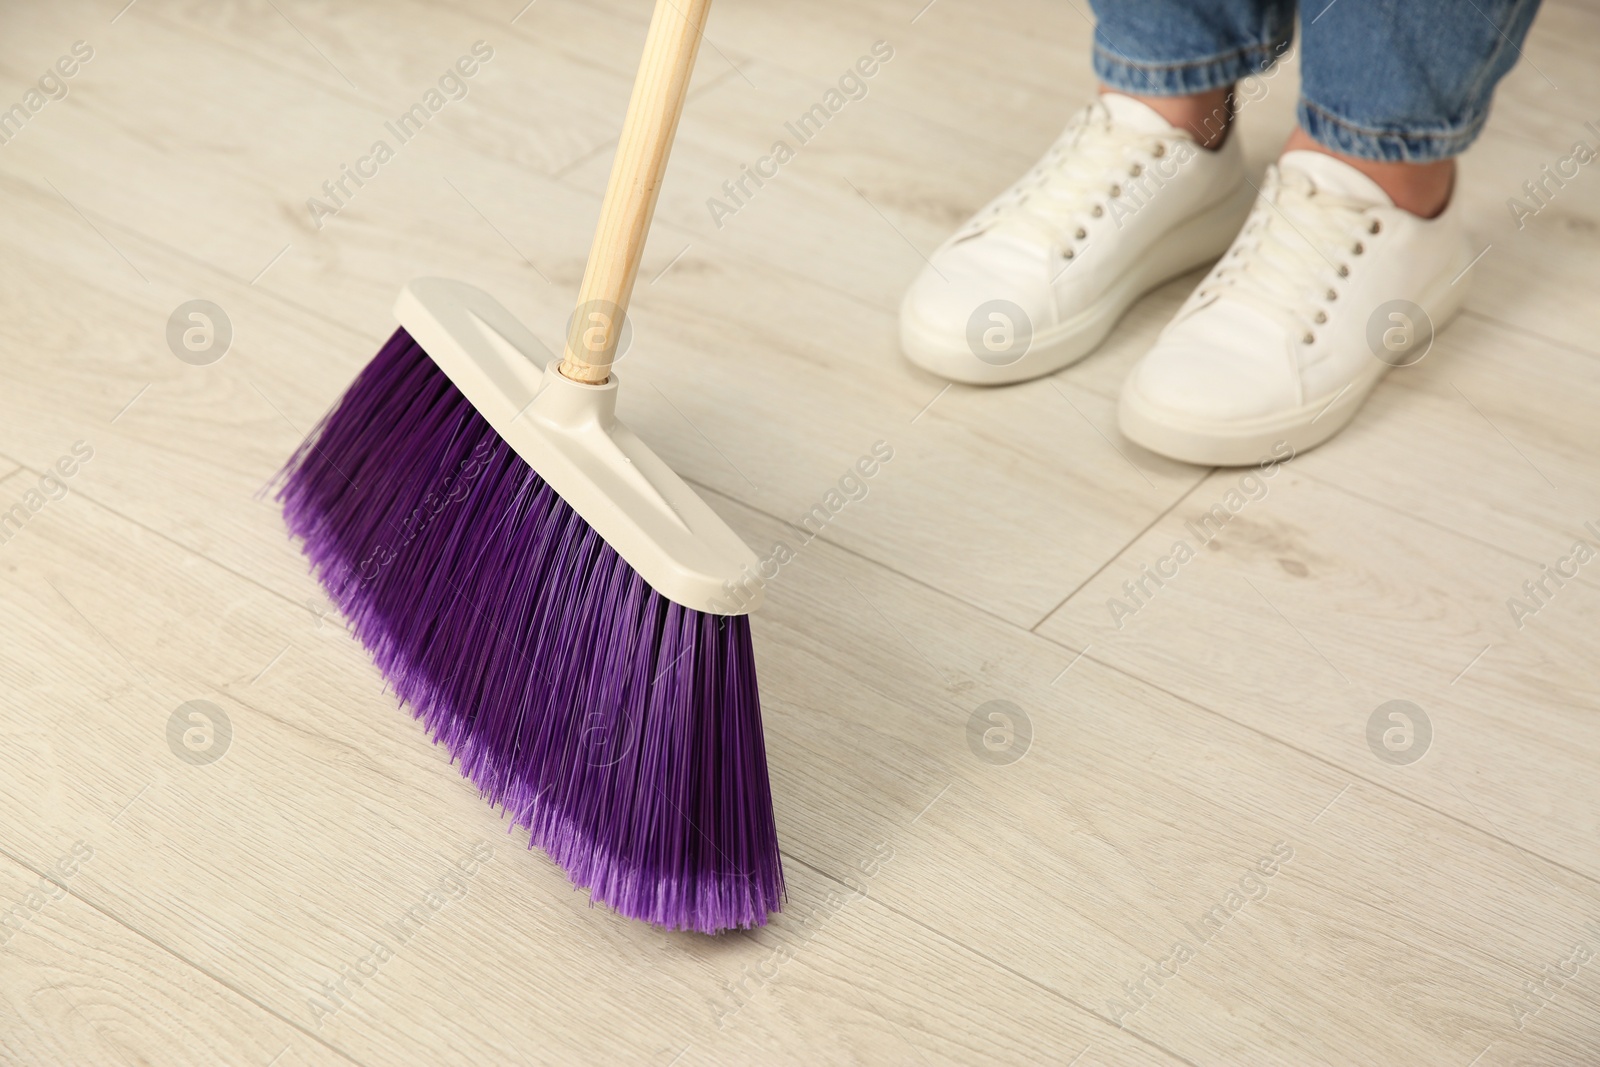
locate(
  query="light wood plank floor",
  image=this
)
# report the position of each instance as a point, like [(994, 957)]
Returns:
[(1209, 757)]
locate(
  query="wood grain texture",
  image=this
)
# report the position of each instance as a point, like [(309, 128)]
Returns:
[(329, 818), (77, 986), (946, 906)]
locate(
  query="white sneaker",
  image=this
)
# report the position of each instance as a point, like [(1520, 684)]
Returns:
[(1327, 286), (1122, 202)]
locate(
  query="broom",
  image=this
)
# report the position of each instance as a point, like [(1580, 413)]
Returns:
[(546, 595)]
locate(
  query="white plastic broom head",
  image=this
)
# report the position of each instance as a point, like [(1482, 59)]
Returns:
[(568, 433)]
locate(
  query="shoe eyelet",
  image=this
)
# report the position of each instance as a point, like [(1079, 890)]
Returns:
[(1067, 253), (1344, 271), (1333, 294), (1116, 191), (1375, 227), (1098, 211), (1322, 317), (1135, 170), (1160, 150), (1309, 338), (1082, 233), (1359, 248)]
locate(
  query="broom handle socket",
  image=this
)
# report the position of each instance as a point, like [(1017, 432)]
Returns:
[(641, 160)]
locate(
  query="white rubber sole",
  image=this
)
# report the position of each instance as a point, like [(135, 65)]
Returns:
[(1245, 442), (1198, 240)]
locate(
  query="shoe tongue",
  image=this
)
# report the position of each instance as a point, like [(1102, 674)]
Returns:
[(1005, 244), (1333, 175), (1126, 111)]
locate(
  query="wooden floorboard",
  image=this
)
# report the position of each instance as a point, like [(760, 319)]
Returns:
[(943, 908)]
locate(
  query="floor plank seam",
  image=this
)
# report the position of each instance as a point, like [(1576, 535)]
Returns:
[(857, 553), (1329, 763), (735, 257), (1402, 934), (178, 27), (179, 957), (558, 173), (1322, 479), (169, 539), (185, 256), (1021, 976), (1034, 629), (962, 603), (1186, 700), (738, 258)]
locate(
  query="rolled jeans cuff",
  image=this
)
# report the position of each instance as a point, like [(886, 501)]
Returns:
[(1389, 146), (1125, 75)]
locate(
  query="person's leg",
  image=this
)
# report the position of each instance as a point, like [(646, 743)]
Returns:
[(1356, 253), (1124, 200), (1182, 59), (1208, 115), (1422, 188), (1397, 90)]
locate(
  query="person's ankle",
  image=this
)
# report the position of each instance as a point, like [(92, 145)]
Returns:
[(1207, 116), (1421, 188)]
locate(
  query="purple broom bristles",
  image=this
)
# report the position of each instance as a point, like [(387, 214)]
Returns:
[(622, 729)]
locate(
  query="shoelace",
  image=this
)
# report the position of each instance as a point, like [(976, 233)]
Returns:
[(1075, 179), (1293, 253)]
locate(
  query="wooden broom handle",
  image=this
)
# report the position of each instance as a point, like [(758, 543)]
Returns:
[(636, 172)]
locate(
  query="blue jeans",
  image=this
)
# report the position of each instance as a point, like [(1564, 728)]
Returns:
[(1395, 80)]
